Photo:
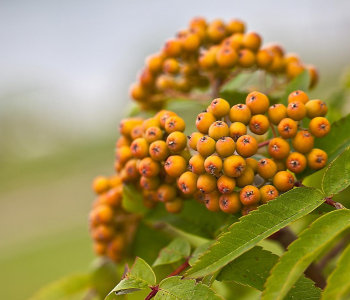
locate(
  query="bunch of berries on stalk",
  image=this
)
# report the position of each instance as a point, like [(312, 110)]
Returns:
[(228, 167), (210, 54)]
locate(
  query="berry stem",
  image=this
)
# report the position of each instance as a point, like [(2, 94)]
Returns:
[(154, 292), (264, 143), (180, 269), (273, 130)]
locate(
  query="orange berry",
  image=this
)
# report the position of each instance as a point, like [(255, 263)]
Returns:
[(146, 78), (296, 110), (203, 122), (100, 184), (212, 202), (234, 41), (175, 123), (278, 148), (230, 204), (171, 66), (246, 58), (172, 48), (190, 41), (296, 162), (176, 141), (196, 164), (218, 129), (139, 148), (287, 128), (303, 142), (216, 31), (277, 113), (206, 183), (99, 248), (252, 163), (219, 107), (246, 178), (136, 132), (267, 168), (213, 164), (246, 146), (235, 26), (207, 59), (298, 96), (150, 122), (159, 150), (149, 167), (175, 206), (283, 181), (175, 165), (259, 124), (206, 146), (264, 58), (102, 233), (123, 154), (294, 69), (281, 165), (226, 57), (138, 92), (131, 168), (257, 102), (153, 134), (187, 183), (154, 63), (313, 75), (166, 192), (248, 208), (123, 141), (317, 159), (193, 139), (252, 41), (316, 108), (225, 146), (164, 82), (237, 129), (249, 195), (163, 116), (226, 184), (149, 183), (268, 192), (102, 214), (240, 113), (234, 166), (319, 127), (126, 125)]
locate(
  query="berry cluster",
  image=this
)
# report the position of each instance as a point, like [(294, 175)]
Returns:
[(209, 53), (226, 142)]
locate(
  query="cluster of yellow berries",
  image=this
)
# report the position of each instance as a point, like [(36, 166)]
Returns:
[(226, 143), (209, 53)]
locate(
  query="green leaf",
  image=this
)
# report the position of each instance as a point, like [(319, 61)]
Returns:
[(253, 268), (175, 288), (255, 227), (199, 251), (194, 219), (71, 287), (175, 251), (234, 97), (132, 200), (301, 82), (303, 251), (338, 284), (139, 277), (337, 176)]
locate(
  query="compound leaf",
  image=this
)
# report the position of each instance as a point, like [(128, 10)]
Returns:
[(175, 251)]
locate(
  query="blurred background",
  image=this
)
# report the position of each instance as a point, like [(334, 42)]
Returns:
[(65, 71)]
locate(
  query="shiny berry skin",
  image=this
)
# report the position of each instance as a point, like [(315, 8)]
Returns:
[(154, 63), (206, 146), (171, 66), (317, 159), (159, 151), (246, 58), (319, 127), (219, 107), (277, 113), (248, 208), (264, 59), (163, 116), (226, 184), (136, 132), (207, 59), (175, 165), (252, 41), (237, 129), (175, 123), (240, 113), (213, 164), (281, 165), (174, 206), (203, 122), (196, 164), (226, 57), (296, 162), (293, 69), (253, 163), (218, 129), (298, 96), (258, 103), (268, 192), (266, 168), (131, 168), (193, 139), (149, 167), (235, 26), (230, 203), (149, 183), (102, 214), (123, 141), (303, 142), (212, 202), (246, 178), (124, 153), (100, 184), (176, 141), (246, 146), (187, 183), (225, 146), (314, 77), (166, 192), (153, 134), (249, 195), (296, 110), (216, 31), (278, 148), (206, 183), (259, 124), (287, 128), (283, 181), (172, 48), (234, 166), (316, 108)]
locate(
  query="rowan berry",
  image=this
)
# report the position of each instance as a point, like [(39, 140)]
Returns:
[(278, 148), (287, 128), (193, 139), (172, 48), (196, 164), (212, 202), (246, 58), (257, 102), (291, 58), (246, 146), (218, 129), (166, 193), (164, 82), (293, 69), (216, 31), (149, 183), (249, 195), (298, 96), (316, 108), (317, 159), (213, 164), (237, 129), (234, 166), (206, 146), (234, 41), (277, 113), (226, 184), (281, 165), (131, 168), (296, 162), (126, 125), (149, 167), (136, 132), (102, 214), (164, 115), (183, 84), (225, 146), (259, 124), (219, 107), (175, 123), (150, 204), (283, 181), (252, 163), (116, 248), (264, 59), (114, 196), (102, 233), (268, 192), (278, 64), (146, 78), (100, 184), (319, 127), (235, 26), (153, 134), (124, 153), (159, 150), (240, 113), (226, 57), (198, 22), (138, 92), (303, 142), (207, 59), (150, 122), (190, 41), (313, 75), (252, 41), (296, 110), (230, 204), (171, 66), (267, 168), (246, 178), (99, 248), (114, 181), (154, 63), (175, 206), (123, 141), (248, 208), (203, 121), (206, 183), (187, 183), (175, 165), (176, 141)]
